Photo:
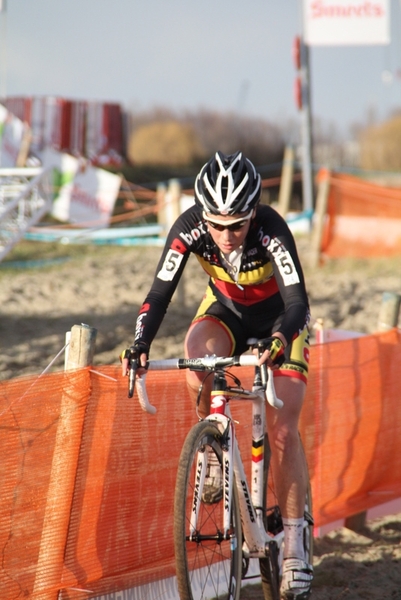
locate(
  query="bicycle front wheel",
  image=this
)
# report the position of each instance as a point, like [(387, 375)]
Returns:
[(207, 566)]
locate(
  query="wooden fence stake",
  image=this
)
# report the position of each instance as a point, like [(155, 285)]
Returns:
[(60, 493), (287, 174), (161, 208), (320, 217), (82, 346), (174, 194), (389, 311)]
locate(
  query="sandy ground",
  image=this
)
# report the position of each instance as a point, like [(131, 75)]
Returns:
[(355, 566), (105, 287)]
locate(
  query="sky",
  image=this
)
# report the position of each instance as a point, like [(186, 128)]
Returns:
[(192, 54)]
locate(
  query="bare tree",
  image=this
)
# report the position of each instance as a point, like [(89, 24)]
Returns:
[(262, 141)]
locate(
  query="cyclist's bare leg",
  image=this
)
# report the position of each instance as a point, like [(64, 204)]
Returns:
[(205, 336), (288, 460), (290, 476)]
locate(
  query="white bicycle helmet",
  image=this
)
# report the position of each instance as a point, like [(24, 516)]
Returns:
[(227, 185)]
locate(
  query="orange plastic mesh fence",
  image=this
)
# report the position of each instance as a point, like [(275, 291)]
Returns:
[(88, 477), (351, 425), (363, 219)]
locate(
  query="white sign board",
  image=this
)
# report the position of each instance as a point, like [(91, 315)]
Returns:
[(85, 195), (346, 22), (93, 196)]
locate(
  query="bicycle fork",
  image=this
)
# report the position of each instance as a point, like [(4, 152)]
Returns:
[(257, 542), (225, 426)]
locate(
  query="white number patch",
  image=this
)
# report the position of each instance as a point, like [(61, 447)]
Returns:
[(287, 268), (170, 265), (283, 260)]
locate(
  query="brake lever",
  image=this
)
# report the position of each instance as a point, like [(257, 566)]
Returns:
[(267, 380), (133, 366)]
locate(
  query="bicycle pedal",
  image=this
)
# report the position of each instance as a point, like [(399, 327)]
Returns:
[(308, 518), (274, 521)]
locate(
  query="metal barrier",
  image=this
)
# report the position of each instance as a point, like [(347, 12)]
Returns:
[(26, 196)]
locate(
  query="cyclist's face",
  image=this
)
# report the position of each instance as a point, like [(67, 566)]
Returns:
[(228, 232)]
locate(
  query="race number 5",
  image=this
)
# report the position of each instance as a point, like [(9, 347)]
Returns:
[(170, 266), (287, 268)]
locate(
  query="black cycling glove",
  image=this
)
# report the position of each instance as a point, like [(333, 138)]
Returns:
[(135, 351), (275, 347)]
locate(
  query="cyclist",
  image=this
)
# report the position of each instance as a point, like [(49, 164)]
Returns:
[(256, 289)]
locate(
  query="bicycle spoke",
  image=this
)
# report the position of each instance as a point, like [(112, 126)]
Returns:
[(208, 565)]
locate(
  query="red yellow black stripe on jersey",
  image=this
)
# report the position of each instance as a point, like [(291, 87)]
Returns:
[(253, 286)]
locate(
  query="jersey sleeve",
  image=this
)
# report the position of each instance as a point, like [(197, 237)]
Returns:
[(288, 273), (168, 273)]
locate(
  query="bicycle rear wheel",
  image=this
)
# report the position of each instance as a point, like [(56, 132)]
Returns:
[(270, 567), (208, 567), (309, 524)]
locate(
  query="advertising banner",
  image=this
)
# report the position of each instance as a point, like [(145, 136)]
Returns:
[(346, 22), (84, 195), (93, 196)]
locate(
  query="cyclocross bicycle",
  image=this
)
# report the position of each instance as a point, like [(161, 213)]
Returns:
[(214, 542)]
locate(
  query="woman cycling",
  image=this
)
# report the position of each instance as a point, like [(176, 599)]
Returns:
[(256, 289)]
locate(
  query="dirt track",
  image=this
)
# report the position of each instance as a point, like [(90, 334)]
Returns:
[(105, 287), (353, 566)]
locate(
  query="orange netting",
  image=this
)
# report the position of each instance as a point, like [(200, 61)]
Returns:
[(88, 478), (362, 220)]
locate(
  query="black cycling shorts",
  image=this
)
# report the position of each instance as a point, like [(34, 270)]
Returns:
[(242, 326)]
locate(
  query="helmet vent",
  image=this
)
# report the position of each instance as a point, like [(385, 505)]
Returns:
[(228, 185), (224, 187)]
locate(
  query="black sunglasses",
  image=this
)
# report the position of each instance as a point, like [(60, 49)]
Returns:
[(232, 227)]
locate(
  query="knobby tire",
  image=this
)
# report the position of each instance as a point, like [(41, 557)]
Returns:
[(270, 567), (206, 569)]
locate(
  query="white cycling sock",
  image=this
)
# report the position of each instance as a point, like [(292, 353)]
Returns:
[(294, 538)]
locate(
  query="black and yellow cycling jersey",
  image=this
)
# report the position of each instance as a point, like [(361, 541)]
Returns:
[(267, 295)]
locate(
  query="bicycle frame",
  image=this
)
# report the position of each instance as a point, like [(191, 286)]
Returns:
[(215, 537), (256, 540)]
